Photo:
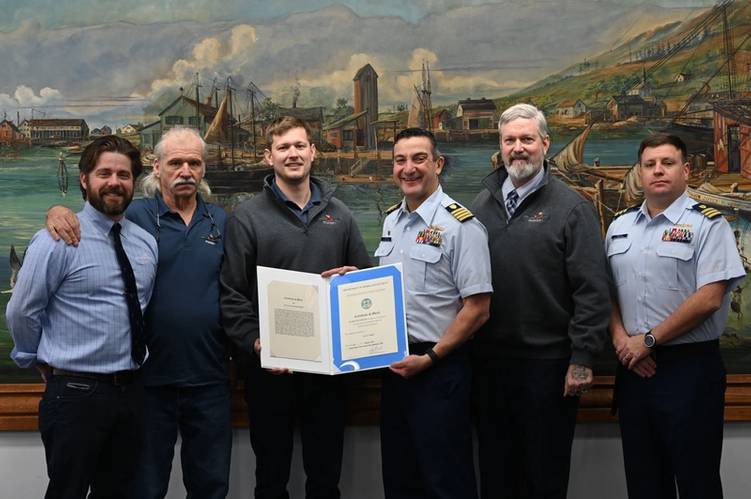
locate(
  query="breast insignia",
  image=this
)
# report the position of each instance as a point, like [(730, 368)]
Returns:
[(459, 212), (707, 211)]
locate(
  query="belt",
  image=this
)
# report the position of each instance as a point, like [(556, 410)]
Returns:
[(117, 378), (686, 350)]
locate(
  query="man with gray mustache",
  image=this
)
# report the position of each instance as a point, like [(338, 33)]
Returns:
[(185, 376), (548, 316)]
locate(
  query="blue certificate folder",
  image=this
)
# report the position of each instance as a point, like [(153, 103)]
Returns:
[(344, 324)]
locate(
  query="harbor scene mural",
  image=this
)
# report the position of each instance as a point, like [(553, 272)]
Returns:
[(606, 74)]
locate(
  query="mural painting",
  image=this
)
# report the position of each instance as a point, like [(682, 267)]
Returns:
[(605, 73)]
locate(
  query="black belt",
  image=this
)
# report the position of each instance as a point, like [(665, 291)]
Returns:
[(686, 350), (117, 378)]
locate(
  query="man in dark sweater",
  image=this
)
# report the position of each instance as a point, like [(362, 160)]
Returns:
[(548, 316), (293, 224)]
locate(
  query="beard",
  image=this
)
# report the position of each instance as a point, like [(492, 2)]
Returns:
[(110, 207), (521, 171)]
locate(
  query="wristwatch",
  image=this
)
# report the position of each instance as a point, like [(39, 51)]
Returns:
[(649, 339)]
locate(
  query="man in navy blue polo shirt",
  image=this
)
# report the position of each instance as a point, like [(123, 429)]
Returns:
[(186, 374)]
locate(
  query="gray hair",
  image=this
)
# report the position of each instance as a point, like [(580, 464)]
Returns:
[(149, 183), (179, 131), (526, 111)]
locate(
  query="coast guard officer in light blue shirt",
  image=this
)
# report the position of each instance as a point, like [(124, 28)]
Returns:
[(426, 438), (674, 261)]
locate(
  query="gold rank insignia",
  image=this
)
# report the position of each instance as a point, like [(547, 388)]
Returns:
[(624, 211), (459, 212), (392, 208), (707, 211)]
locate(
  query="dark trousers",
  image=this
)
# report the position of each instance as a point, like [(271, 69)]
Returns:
[(276, 404), (525, 428), (92, 433), (426, 432), (672, 424), (203, 416)]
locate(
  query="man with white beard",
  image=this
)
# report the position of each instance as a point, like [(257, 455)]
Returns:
[(548, 316)]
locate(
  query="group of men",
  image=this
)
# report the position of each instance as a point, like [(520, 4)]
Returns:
[(522, 274)]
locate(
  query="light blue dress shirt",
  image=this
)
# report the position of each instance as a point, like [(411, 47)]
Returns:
[(68, 307), (657, 263), (448, 262)]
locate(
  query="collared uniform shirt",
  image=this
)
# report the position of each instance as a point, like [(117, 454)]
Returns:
[(302, 213), (187, 345), (443, 260), (657, 263), (68, 307)]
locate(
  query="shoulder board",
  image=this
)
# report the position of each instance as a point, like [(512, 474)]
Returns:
[(627, 210), (707, 211), (393, 208), (459, 212)]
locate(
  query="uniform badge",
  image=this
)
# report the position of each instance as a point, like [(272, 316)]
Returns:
[(678, 234), (430, 235)]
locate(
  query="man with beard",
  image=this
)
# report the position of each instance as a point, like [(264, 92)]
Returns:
[(185, 378), (548, 316), (76, 315), (295, 223)]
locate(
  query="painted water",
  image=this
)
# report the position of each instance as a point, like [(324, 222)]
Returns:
[(28, 186)]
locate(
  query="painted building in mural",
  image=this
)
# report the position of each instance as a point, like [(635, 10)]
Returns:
[(476, 113), (570, 108), (55, 129), (732, 137), (366, 100), (9, 133), (182, 111)]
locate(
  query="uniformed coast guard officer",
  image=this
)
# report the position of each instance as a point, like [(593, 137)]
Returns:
[(674, 262), (426, 437)]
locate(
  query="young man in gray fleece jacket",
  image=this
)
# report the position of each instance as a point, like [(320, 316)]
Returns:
[(293, 224), (548, 316)]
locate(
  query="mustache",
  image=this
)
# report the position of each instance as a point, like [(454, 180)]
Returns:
[(112, 190), (183, 181)]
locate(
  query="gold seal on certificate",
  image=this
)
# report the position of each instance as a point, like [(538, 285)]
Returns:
[(332, 326)]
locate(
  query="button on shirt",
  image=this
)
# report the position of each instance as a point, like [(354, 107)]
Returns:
[(657, 263), (68, 307), (183, 329), (443, 261)]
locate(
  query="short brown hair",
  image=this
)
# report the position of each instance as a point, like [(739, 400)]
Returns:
[(661, 139), (282, 125), (108, 143)]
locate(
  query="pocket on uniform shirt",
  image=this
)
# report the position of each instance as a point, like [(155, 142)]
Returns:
[(673, 268), (384, 249), (616, 252), (423, 259)]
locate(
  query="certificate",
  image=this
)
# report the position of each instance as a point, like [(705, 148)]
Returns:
[(343, 324)]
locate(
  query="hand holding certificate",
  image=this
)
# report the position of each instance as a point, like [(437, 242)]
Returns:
[(347, 323)]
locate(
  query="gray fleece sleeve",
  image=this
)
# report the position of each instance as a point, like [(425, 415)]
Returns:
[(588, 276)]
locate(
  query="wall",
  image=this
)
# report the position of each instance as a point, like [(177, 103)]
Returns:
[(597, 469)]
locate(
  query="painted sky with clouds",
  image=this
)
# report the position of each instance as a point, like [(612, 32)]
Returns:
[(60, 59)]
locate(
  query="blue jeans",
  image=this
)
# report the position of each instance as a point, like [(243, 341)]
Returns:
[(202, 414), (92, 433)]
